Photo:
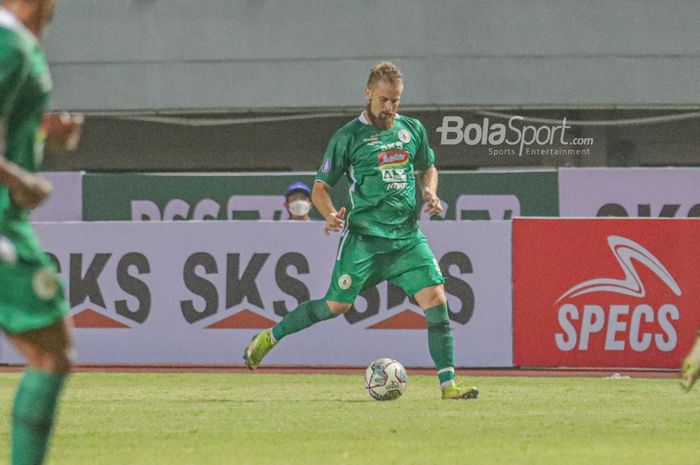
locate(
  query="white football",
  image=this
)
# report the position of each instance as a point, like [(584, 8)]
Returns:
[(385, 379)]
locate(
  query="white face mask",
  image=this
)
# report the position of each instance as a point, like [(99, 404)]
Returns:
[(299, 207)]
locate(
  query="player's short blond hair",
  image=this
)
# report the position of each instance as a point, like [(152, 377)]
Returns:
[(384, 71)]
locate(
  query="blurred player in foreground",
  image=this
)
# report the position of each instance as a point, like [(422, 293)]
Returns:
[(383, 154), (297, 201), (690, 371), (32, 306)]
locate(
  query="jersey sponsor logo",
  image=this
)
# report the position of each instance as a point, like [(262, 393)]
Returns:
[(395, 178), (373, 140), (394, 175), (392, 159), (326, 166), (404, 136), (398, 145), (392, 166)]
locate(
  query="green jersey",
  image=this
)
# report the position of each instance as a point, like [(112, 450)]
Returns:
[(25, 85), (380, 166), (32, 296)]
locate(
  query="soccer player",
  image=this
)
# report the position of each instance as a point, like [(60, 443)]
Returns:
[(690, 371), (383, 154), (32, 307), (297, 201)]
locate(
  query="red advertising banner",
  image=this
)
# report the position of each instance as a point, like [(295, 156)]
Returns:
[(605, 292)]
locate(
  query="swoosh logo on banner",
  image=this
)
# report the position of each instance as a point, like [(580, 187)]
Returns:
[(626, 250)]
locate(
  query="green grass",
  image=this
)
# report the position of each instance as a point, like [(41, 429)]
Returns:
[(178, 419)]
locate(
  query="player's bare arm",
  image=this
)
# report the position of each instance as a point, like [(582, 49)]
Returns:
[(28, 190), (428, 182), (321, 198)]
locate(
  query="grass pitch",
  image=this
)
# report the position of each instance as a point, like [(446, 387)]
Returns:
[(202, 419)]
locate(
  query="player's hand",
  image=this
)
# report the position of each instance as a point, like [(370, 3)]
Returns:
[(433, 205), (31, 191), (335, 221), (62, 130)]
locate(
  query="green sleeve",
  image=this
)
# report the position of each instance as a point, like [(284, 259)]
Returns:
[(335, 161), (425, 157), (12, 74)]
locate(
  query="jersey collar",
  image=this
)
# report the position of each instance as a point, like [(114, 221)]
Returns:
[(363, 118), (9, 21)]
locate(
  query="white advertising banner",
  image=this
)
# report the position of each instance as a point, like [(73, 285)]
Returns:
[(66, 201), (196, 292), (634, 192)]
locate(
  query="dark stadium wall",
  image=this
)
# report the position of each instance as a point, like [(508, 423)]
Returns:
[(295, 141)]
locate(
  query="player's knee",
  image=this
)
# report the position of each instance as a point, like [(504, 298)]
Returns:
[(437, 300), (431, 296), (338, 308)]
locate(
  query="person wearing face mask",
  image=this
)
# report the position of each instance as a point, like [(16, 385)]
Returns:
[(298, 201)]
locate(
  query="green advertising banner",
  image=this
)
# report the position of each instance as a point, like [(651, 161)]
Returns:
[(467, 195), (165, 197), (498, 195)]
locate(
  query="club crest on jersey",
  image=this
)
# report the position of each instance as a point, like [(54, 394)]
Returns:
[(45, 284), (344, 282), (404, 136)]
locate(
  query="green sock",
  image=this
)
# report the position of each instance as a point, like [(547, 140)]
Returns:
[(440, 342), (33, 416), (306, 314)]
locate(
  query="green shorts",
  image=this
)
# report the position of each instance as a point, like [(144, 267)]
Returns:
[(364, 261), (31, 296)]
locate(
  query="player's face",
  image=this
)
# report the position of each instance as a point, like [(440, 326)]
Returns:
[(383, 102), (46, 11)]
